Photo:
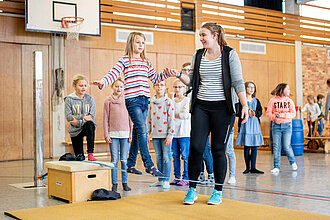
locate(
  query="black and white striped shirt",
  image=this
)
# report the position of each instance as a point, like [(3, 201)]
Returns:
[(211, 86)]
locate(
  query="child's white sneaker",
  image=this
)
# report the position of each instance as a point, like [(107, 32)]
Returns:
[(294, 166), (166, 185), (232, 180), (156, 184), (275, 171)]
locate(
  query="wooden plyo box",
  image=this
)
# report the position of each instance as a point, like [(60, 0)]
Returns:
[(75, 181)]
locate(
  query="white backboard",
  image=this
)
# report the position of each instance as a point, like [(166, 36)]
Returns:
[(45, 15)]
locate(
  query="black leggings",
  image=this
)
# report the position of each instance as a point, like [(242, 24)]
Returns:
[(209, 117), (310, 128), (77, 141), (250, 157)]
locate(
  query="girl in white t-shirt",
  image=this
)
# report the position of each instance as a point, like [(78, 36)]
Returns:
[(313, 112), (181, 140)]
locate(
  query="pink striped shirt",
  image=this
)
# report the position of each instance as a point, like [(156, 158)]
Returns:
[(136, 76)]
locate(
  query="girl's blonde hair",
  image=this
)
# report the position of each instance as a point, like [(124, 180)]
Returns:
[(129, 45), (120, 79), (279, 90), (311, 97), (178, 81), (215, 28), (77, 78)]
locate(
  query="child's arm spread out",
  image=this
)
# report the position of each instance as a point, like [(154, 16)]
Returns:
[(106, 116), (304, 108), (113, 74), (156, 77)]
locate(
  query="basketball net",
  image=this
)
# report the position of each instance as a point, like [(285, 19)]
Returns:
[(72, 27)]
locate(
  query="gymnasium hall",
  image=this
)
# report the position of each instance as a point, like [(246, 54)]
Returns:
[(46, 45)]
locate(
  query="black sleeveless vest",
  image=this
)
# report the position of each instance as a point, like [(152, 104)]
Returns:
[(226, 79)]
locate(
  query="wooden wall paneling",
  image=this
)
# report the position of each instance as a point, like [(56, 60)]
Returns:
[(107, 40), (289, 76), (181, 59), (280, 52), (12, 7), (76, 62), (101, 61), (275, 72), (164, 42), (117, 54), (27, 101), (173, 43), (251, 56), (11, 101), (233, 43), (13, 30), (182, 43)]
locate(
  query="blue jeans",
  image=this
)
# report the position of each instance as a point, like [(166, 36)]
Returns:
[(320, 127), (163, 156), (137, 108), (282, 137), (231, 154), (114, 150), (180, 146), (207, 157)]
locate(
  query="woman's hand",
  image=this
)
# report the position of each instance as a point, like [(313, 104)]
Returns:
[(74, 122), (108, 140), (245, 115), (129, 139), (97, 83)]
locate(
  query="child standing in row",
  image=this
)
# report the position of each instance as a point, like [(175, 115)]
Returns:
[(313, 112), (117, 128), (249, 134), (137, 70), (281, 110), (181, 140), (80, 113), (160, 125), (320, 100), (231, 158)]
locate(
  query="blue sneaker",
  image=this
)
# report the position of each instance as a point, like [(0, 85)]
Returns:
[(216, 198), (191, 196)]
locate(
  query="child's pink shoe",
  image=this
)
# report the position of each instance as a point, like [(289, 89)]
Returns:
[(91, 157)]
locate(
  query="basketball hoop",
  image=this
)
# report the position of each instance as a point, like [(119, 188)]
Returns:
[(72, 27)]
